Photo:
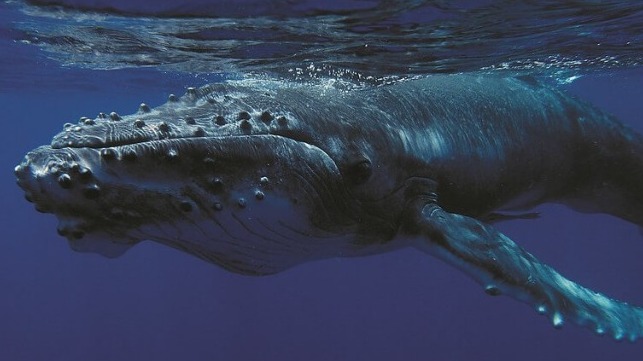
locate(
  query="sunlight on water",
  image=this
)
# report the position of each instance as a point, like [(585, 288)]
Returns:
[(384, 39)]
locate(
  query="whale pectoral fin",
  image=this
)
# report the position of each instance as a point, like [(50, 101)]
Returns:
[(503, 267)]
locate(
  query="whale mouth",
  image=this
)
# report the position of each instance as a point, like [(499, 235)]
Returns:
[(49, 174), (115, 146)]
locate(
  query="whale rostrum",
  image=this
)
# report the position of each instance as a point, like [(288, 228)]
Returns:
[(259, 176)]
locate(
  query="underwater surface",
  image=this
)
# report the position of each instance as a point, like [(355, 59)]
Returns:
[(60, 60)]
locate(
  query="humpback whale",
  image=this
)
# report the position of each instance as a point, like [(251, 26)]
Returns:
[(259, 176)]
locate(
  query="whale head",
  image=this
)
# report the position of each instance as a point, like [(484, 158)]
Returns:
[(226, 173)]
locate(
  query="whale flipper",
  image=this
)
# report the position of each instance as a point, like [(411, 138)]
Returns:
[(503, 267)]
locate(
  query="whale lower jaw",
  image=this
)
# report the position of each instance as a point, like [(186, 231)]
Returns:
[(260, 237)]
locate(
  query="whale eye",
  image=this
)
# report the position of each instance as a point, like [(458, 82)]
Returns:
[(359, 172)]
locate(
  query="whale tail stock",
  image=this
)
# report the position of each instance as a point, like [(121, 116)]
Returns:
[(608, 175)]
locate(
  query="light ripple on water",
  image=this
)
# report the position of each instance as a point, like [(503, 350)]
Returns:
[(359, 40)]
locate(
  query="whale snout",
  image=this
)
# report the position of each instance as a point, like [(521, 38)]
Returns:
[(44, 172), (59, 181)]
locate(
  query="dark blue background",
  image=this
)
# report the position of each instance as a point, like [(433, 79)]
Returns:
[(155, 303)]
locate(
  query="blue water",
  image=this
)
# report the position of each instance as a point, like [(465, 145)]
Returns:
[(155, 303)]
